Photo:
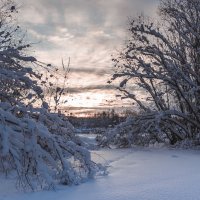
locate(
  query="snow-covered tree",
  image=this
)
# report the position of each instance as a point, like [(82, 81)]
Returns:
[(38, 146), (162, 61), (18, 81)]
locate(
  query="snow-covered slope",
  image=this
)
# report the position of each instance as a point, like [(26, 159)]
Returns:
[(134, 174)]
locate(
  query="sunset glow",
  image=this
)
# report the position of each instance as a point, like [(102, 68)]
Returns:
[(87, 99)]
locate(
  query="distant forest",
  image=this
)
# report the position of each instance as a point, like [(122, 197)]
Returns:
[(103, 119)]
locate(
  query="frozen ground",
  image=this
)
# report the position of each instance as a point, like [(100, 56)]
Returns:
[(134, 174)]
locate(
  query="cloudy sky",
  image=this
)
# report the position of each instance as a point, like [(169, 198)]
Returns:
[(87, 31)]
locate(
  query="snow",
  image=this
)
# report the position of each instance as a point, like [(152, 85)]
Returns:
[(133, 174)]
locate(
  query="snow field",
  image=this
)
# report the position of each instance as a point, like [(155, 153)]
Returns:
[(133, 174)]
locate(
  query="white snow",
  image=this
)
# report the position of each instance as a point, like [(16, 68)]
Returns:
[(134, 174)]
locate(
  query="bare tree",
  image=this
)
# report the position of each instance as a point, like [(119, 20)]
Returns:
[(162, 59), (55, 86)]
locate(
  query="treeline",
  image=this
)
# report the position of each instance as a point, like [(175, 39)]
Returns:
[(103, 119)]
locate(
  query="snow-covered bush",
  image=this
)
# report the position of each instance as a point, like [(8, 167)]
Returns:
[(146, 129), (41, 147), (161, 62)]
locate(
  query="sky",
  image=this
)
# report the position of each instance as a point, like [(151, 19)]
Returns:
[(87, 31)]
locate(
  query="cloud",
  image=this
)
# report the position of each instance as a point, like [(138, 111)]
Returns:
[(81, 29), (94, 88), (104, 88), (97, 72)]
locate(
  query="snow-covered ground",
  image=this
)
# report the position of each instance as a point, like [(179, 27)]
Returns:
[(134, 174)]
